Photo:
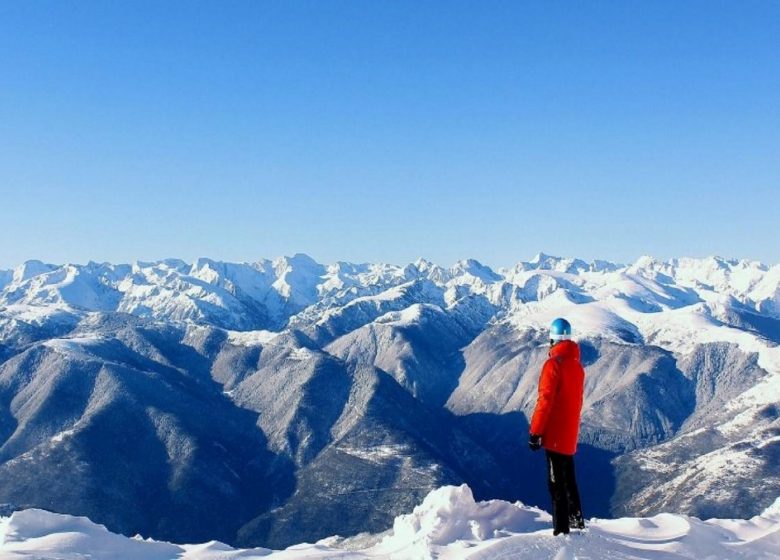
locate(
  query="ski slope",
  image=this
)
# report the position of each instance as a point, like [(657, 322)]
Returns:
[(448, 525)]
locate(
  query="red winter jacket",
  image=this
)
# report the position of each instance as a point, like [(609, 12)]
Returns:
[(557, 414)]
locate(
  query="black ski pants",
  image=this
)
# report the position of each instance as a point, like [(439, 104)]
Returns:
[(562, 483)]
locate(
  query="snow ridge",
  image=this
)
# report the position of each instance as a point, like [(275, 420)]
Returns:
[(448, 524)]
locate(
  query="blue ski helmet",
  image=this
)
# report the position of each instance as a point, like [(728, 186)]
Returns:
[(560, 330)]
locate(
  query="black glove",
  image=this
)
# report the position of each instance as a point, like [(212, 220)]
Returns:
[(535, 442)]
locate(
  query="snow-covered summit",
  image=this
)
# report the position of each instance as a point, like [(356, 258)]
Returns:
[(448, 524)]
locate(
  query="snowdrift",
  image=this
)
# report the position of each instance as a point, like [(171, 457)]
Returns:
[(448, 524)]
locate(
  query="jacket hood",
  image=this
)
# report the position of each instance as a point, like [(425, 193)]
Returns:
[(566, 349)]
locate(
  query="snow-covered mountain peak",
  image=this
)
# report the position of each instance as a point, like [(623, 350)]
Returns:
[(646, 262), (299, 262), (170, 263), (422, 264), (203, 263), (541, 257), (297, 278), (543, 261), (473, 267), (29, 269)]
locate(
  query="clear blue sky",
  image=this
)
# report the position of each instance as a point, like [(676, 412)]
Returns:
[(387, 130)]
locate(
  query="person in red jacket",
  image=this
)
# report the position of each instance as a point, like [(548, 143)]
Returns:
[(555, 425)]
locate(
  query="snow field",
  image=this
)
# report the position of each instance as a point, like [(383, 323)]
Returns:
[(448, 525)]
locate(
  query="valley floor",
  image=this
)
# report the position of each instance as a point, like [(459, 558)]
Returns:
[(448, 525)]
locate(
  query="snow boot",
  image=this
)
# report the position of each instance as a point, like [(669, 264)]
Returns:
[(576, 521)]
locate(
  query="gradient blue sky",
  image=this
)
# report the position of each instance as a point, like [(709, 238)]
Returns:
[(383, 131)]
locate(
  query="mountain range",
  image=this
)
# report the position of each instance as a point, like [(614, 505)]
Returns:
[(269, 403)]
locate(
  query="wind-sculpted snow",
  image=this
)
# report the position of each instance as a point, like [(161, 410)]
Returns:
[(284, 400), (448, 524)]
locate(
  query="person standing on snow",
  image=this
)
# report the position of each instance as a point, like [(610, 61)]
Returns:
[(555, 425)]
